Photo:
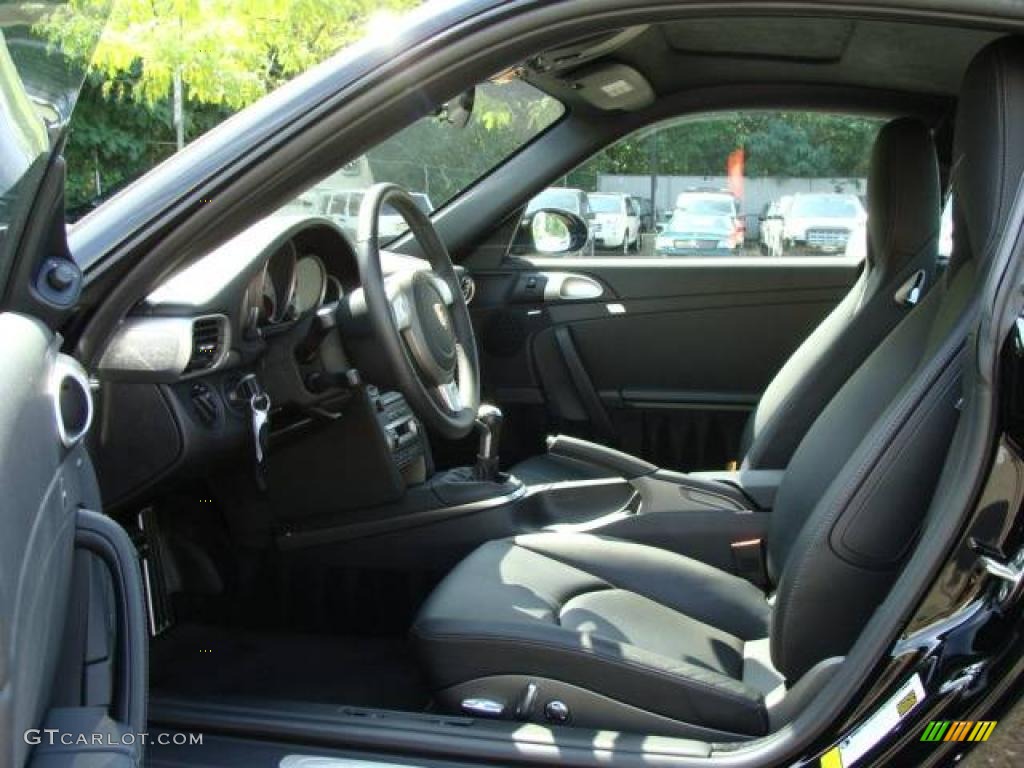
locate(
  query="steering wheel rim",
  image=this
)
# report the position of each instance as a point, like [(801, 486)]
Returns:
[(420, 319)]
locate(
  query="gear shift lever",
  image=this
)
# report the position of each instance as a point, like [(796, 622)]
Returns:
[(488, 425)]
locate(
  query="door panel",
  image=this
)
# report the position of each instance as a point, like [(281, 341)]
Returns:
[(666, 363), (44, 482)]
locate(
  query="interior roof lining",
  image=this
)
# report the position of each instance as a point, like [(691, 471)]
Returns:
[(852, 44)]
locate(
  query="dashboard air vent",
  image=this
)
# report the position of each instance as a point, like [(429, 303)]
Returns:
[(468, 286), (208, 343)]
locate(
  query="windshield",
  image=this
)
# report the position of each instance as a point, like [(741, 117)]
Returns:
[(605, 203), (560, 199), (826, 206), (704, 206), (682, 220), (149, 94), (435, 160)]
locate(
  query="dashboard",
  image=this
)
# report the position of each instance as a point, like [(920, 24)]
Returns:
[(219, 312), (178, 375)]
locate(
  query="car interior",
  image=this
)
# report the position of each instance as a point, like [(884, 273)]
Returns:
[(464, 471)]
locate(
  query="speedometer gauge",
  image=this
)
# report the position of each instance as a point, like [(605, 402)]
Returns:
[(310, 285)]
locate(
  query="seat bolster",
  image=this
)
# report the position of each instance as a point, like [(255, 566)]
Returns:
[(683, 584), (513, 608), (457, 652)]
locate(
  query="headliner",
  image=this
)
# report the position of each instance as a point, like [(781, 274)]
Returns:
[(677, 56)]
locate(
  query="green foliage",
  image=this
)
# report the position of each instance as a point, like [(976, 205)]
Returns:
[(113, 140), (441, 160), (783, 144), (229, 53)]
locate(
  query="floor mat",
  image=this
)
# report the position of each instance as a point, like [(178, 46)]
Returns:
[(202, 661)]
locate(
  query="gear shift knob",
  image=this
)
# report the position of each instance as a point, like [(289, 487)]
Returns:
[(488, 424)]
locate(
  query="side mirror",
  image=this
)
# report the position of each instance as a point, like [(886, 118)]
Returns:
[(459, 110), (659, 228), (552, 231)]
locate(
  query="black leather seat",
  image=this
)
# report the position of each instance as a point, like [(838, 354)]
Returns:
[(632, 637), (903, 231)]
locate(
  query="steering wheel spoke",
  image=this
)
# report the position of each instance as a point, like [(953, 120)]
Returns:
[(401, 309), (443, 288), (450, 396), (420, 321)]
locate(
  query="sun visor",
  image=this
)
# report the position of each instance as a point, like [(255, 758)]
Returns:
[(612, 86)]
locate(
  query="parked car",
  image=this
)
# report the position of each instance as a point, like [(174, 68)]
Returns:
[(343, 207), (820, 223), (616, 221), (703, 224)]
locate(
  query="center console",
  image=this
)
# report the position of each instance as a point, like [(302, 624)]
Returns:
[(719, 518), (403, 435)]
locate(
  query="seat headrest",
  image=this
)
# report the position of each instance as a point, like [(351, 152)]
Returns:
[(988, 148), (904, 196)]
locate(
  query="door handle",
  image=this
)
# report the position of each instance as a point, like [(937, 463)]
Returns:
[(571, 286)]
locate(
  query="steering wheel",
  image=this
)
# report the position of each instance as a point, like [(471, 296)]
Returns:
[(420, 319)]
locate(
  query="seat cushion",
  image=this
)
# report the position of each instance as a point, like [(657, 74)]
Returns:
[(636, 624)]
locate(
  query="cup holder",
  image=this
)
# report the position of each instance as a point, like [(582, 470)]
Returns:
[(72, 400)]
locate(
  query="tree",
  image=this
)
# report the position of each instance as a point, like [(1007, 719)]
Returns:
[(782, 144), (159, 60)]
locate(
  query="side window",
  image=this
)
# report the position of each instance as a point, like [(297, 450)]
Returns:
[(746, 184)]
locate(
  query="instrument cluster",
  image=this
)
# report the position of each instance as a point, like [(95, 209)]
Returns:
[(290, 285)]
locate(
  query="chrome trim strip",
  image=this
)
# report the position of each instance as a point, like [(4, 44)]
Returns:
[(64, 368)]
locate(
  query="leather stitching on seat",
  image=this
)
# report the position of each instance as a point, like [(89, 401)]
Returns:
[(901, 412), (901, 442)]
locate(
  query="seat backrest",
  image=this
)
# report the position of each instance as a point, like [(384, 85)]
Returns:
[(903, 233), (859, 485)]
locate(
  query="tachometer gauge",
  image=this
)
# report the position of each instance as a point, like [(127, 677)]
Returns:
[(279, 284), (310, 285), (334, 291)]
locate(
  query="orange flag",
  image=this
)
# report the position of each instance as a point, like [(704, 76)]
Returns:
[(734, 170)]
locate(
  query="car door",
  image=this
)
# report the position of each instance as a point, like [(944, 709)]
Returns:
[(72, 637), (666, 353), (664, 359)]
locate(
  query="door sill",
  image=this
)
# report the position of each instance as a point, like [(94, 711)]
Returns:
[(426, 735)]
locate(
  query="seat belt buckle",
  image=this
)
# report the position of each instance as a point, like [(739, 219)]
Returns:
[(748, 561)]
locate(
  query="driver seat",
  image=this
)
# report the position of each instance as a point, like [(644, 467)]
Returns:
[(589, 630), (903, 233)]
